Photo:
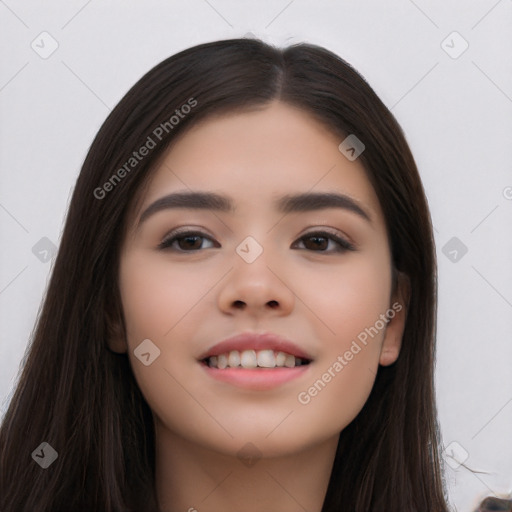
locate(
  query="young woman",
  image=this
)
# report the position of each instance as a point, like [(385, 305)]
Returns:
[(242, 312)]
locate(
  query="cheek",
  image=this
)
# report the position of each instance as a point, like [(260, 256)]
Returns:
[(158, 302), (348, 298), (349, 301), (156, 295)]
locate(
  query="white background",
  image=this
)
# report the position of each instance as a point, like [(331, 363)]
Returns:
[(456, 113)]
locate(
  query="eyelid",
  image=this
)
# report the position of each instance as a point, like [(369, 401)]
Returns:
[(186, 230), (331, 231), (314, 227)]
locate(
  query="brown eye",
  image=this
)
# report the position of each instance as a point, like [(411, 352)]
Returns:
[(188, 241), (320, 242)]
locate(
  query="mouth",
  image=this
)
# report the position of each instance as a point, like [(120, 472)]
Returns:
[(255, 359)]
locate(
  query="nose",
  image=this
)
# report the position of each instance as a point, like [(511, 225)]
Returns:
[(257, 287)]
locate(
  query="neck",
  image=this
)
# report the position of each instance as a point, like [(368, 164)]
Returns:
[(192, 478)]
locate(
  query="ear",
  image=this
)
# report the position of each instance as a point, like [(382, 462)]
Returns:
[(116, 334), (397, 314)]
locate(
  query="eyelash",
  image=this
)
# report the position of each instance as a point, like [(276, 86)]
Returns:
[(343, 245)]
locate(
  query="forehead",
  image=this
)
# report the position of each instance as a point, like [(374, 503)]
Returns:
[(259, 155)]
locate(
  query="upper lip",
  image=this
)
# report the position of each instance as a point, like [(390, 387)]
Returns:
[(256, 341)]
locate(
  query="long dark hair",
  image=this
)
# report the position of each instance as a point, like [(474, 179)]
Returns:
[(82, 399)]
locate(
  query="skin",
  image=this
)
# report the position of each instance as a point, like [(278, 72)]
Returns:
[(185, 302)]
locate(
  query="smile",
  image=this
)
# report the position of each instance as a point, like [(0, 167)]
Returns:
[(255, 359), (256, 370)]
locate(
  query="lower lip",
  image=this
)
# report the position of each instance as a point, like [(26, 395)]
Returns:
[(258, 379)]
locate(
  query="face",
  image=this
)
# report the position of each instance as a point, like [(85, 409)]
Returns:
[(319, 277)]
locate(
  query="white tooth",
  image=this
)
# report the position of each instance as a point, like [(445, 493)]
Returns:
[(266, 358), (289, 362), (213, 362), (280, 359), (234, 358), (248, 359), (222, 361)]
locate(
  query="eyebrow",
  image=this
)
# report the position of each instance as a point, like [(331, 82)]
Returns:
[(308, 201)]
